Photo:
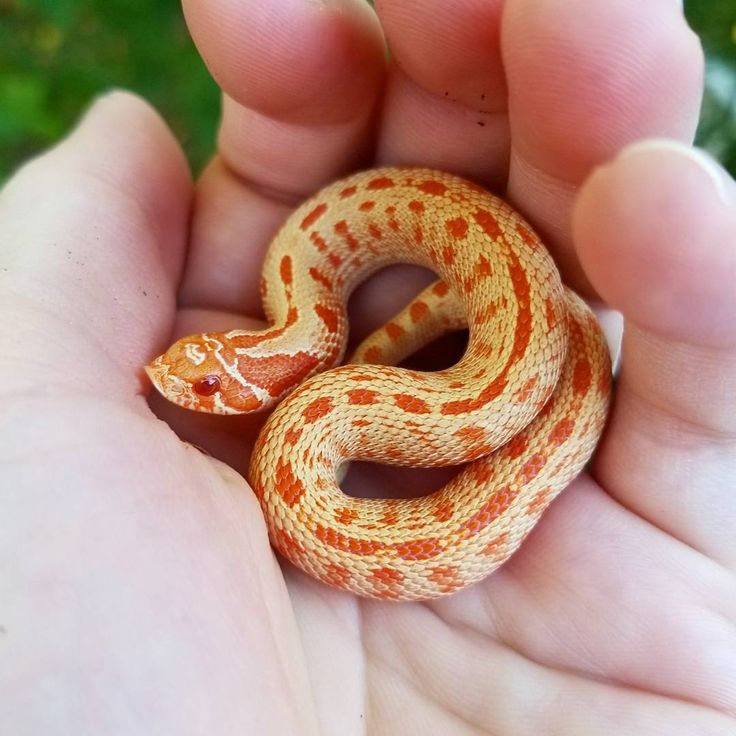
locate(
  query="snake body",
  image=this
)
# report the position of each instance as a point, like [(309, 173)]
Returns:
[(523, 409)]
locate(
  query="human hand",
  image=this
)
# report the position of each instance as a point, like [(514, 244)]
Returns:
[(142, 595)]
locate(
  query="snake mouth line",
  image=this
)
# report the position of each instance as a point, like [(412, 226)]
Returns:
[(182, 393)]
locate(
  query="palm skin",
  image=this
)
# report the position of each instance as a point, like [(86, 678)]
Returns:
[(141, 595)]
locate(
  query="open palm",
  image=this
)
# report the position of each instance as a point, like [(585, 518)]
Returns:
[(140, 593)]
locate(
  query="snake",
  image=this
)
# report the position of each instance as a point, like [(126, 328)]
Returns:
[(520, 413)]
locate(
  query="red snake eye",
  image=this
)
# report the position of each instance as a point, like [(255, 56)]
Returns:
[(206, 386)]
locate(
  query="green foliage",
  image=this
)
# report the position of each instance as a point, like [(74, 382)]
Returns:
[(56, 55), (715, 23)]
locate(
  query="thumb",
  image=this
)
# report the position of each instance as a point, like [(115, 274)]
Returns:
[(656, 234), (92, 237)]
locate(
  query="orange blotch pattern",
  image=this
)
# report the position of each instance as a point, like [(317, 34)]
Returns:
[(394, 331), (285, 270), (418, 310), (582, 377), (418, 549), (493, 547), (471, 435), (416, 206), (446, 577), (561, 432), (390, 517), (448, 255), (292, 435), (313, 216), (488, 223), (483, 268), (330, 317), (291, 317), (375, 231), (289, 487), (546, 408), (488, 394), (382, 182), (524, 316), (540, 500), (411, 404), (516, 446), (436, 188), (373, 354), (345, 516), (320, 278), (343, 230), (527, 236), (337, 575), (531, 467), (523, 394), (383, 579), (363, 396), (486, 315), (276, 373), (458, 227), (340, 541), (361, 377), (317, 409), (489, 512), (319, 242), (444, 510), (481, 472)]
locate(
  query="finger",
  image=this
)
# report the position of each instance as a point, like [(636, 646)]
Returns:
[(445, 104), (445, 107), (300, 81), (585, 78), (656, 232), (92, 238)]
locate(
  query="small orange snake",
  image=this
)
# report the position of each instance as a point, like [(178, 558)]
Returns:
[(524, 407)]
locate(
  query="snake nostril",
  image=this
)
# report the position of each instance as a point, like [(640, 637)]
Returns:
[(206, 386)]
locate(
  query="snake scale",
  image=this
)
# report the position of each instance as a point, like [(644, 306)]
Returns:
[(521, 411)]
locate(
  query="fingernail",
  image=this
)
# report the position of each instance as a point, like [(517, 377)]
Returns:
[(704, 161)]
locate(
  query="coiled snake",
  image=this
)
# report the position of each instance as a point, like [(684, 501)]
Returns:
[(523, 408)]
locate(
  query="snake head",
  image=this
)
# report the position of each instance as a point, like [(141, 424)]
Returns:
[(197, 373)]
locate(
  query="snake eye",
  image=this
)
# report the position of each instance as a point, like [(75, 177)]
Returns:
[(207, 386)]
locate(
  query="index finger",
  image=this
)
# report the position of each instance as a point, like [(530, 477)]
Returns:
[(300, 82), (587, 77)]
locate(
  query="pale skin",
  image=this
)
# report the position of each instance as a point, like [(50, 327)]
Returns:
[(138, 592)]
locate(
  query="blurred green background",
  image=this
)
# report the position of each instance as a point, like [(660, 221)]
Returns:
[(57, 54)]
